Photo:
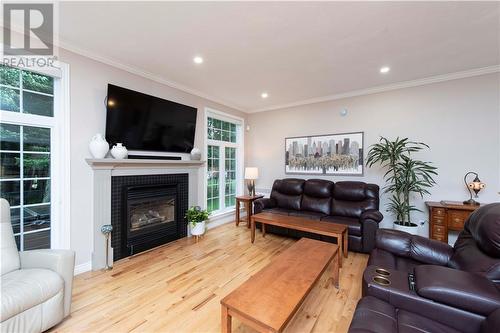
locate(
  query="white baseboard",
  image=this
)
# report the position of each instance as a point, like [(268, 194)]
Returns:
[(82, 268)]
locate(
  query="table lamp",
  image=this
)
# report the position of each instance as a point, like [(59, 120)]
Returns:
[(476, 185), (251, 173)]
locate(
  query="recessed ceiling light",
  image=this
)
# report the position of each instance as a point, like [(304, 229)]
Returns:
[(264, 95), (198, 60), (385, 69)]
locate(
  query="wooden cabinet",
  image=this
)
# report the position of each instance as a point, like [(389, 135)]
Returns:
[(445, 216)]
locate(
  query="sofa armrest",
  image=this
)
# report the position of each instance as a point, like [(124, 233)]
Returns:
[(264, 203), (419, 248), (60, 261), (461, 289), (371, 214)]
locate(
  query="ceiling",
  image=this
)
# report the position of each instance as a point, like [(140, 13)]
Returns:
[(294, 51)]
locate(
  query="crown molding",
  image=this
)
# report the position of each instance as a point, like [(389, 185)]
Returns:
[(145, 74), (384, 88), (58, 42)]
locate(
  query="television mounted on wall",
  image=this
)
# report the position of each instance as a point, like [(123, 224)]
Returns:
[(146, 123)]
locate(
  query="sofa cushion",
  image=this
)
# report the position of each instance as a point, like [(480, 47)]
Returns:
[(289, 186), (307, 214), (353, 198), (387, 260), (409, 322), (354, 227), (288, 193), (477, 248), (317, 196), (26, 288), (281, 211), (457, 288), (373, 315), (484, 226)]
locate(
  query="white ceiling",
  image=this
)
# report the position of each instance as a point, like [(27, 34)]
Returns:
[(294, 51)]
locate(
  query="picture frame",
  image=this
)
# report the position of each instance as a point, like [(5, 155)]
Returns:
[(339, 154)]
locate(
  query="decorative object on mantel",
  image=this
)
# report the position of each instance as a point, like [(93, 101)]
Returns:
[(405, 176), (98, 146), (197, 218), (119, 151), (251, 174), (106, 230), (333, 154), (475, 185), (195, 154)]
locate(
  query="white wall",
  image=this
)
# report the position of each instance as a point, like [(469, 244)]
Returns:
[(459, 119), (88, 85)]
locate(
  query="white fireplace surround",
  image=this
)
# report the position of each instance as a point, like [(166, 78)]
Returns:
[(104, 169)]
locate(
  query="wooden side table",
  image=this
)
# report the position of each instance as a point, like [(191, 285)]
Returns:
[(247, 200), (445, 216)]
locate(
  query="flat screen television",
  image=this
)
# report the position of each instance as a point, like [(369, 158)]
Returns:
[(148, 123)]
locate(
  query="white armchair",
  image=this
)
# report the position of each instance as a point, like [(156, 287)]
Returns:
[(35, 285)]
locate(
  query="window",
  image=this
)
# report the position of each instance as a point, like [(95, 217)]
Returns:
[(28, 132), (224, 147)]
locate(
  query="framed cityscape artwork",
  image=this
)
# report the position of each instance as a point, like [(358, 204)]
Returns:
[(333, 154)]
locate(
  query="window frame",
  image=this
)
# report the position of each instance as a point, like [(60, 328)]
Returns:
[(239, 145), (59, 125)]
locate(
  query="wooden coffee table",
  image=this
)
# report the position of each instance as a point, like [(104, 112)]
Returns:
[(330, 229), (269, 299)]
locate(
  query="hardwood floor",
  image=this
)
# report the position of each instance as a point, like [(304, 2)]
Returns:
[(178, 287)]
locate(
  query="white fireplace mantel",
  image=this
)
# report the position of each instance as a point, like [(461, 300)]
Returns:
[(106, 168), (111, 163)]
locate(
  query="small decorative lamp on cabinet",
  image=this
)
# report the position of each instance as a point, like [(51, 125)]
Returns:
[(251, 174), (475, 185)]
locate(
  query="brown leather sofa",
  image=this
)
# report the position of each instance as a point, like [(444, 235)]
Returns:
[(355, 204), (429, 286), (376, 316)]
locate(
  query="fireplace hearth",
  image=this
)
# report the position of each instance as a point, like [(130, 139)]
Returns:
[(147, 211)]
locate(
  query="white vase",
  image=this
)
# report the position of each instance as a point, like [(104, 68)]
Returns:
[(195, 154), (413, 229), (119, 151), (98, 146), (197, 229)]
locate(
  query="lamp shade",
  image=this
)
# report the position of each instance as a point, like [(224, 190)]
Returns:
[(251, 173)]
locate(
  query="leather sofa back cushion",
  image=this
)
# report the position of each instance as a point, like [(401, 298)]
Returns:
[(484, 226), (286, 201), (468, 257), (353, 198), (288, 193), (319, 205), (317, 196), (289, 186), (477, 248)]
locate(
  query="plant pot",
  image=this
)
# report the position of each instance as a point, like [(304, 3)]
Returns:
[(413, 229), (197, 229)]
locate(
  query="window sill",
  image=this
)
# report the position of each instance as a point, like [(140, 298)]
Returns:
[(221, 214)]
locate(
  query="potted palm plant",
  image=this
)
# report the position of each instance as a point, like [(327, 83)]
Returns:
[(197, 218), (405, 177)]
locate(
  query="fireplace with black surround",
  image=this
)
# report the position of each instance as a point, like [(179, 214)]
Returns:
[(147, 211)]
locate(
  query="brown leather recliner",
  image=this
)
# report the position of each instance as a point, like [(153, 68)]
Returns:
[(432, 287), (355, 204), (476, 250)]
